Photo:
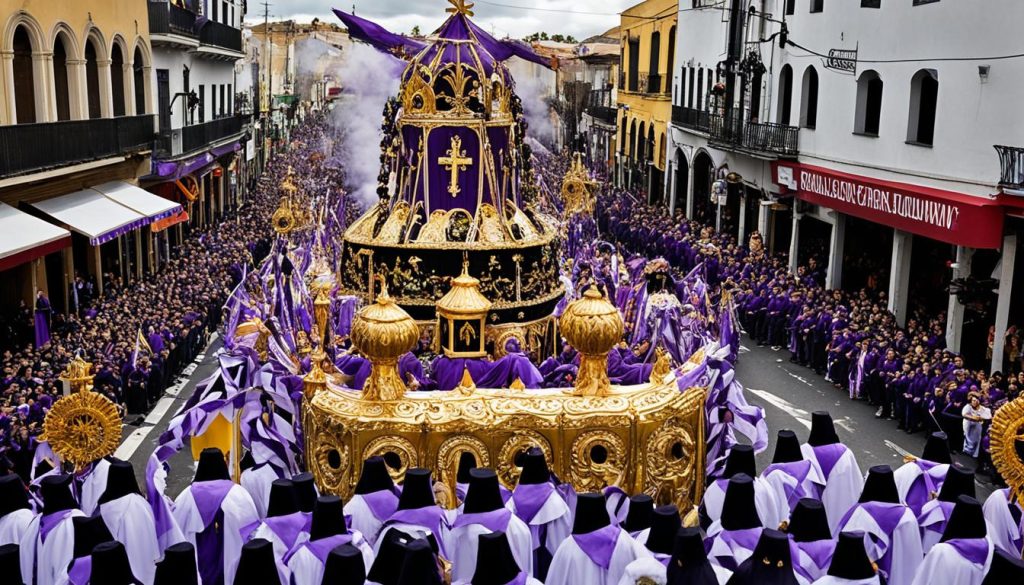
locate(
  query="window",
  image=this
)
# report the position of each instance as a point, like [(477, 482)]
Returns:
[(223, 89), (139, 72), (231, 101), (924, 95), (117, 80), (634, 64), (870, 3), (654, 64), (202, 103), (869, 104), (809, 99), (700, 88), (920, 2), (817, 5), (62, 87), (24, 77), (785, 108), (689, 98), (790, 6), (92, 79), (214, 13)]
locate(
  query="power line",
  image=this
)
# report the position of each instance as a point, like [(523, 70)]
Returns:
[(918, 60)]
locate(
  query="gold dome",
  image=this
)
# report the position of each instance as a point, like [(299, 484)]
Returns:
[(593, 326), (383, 332), (464, 299)]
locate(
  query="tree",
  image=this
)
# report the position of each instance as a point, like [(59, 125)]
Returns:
[(415, 31)]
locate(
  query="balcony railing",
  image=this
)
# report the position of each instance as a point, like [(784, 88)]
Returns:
[(201, 135), (654, 84), (1011, 166), (604, 114), (753, 136), (27, 148), (221, 35), (690, 118), (166, 18)]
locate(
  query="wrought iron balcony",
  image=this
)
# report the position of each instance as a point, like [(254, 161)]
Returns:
[(758, 137), (26, 148), (222, 36), (690, 118), (1011, 166), (203, 135), (167, 19), (604, 114), (654, 84)]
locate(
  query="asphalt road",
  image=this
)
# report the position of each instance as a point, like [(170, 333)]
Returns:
[(789, 394)]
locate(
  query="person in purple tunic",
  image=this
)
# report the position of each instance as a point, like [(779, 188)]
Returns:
[(812, 539), (484, 512), (42, 319), (374, 501), (964, 554), (850, 563), (597, 552), (771, 562)]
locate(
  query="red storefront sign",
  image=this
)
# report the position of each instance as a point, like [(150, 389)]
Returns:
[(954, 218)]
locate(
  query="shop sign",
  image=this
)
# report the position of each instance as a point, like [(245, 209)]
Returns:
[(841, 60), (954, 218)]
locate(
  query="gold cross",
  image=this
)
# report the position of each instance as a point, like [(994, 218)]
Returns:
[(460, 7), (455, 162)]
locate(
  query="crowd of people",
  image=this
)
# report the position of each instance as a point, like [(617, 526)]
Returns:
[(850, 337)]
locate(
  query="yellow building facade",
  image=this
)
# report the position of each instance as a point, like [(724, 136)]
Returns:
[(65, 60), (647, 34)]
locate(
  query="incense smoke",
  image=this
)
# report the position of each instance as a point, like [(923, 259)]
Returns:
[(369, 78), (535, 91)]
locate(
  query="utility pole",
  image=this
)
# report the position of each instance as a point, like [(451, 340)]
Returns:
[(733, 57)]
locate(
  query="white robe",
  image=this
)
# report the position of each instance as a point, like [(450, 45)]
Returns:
[(771, 507), (282, 546), (362, 518), (932, 522), (728, 548), (555, 516), (239, 512), (905, 543), (943, 564), (465, 542), (843, 485), (789, 489), (1003, 531), (93, 487), (657, 572), (130, 521), (257, 481), (572, 566), (305, 567), (48, 559), (909, 473), (14, 525)]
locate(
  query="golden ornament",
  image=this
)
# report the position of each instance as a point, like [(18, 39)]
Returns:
[(593, 326), (82, 428), (1007, 439), (383, 332)]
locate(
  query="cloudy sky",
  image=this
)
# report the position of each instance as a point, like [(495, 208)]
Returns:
[(516, 18)]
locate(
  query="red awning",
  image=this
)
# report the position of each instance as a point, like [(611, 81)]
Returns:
[(946, 216), (171, 220)]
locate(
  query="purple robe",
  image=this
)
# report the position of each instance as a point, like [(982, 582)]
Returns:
[(42, 321)]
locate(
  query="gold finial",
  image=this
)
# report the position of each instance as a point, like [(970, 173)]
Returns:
[(460, 7), (466, 384), (593, 326), (383, 332)]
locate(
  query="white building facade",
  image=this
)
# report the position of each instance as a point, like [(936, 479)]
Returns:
[(202, 136), (906, 174)]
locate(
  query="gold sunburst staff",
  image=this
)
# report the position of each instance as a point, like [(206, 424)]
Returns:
[(1007, 438), (84, 426)]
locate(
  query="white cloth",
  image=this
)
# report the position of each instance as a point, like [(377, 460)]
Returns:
[(771, 507), (843, 485), (943, 564), (14, 525), (239, 512), (789, 488), (49, 560), (648, 567), (362, 519), (465, 543), (932, 522), (306, 568), (904, 542), (529, 581), (257, 481), (723, 547), (910, 473), (130, 521), (93, 487), (572, 566), (1003, 531), (554, 517)]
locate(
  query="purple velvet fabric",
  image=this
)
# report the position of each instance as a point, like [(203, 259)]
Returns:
[(599, 545)]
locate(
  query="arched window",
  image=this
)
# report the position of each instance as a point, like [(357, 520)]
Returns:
[(641, 143), (924, 97), (24, 77), (809, 99), (869, 104), (632, 140), (661, 151), (139, 71), (92, 79), (785, 108), (653, 79), (650, 143), (623, 148), (117, 80), (61, 82)]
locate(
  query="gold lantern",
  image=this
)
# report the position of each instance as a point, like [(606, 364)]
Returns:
[(593, 326), (383, 332), (462, 317)]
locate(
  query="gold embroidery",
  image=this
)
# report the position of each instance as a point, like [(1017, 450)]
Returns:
[(455, 162)]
